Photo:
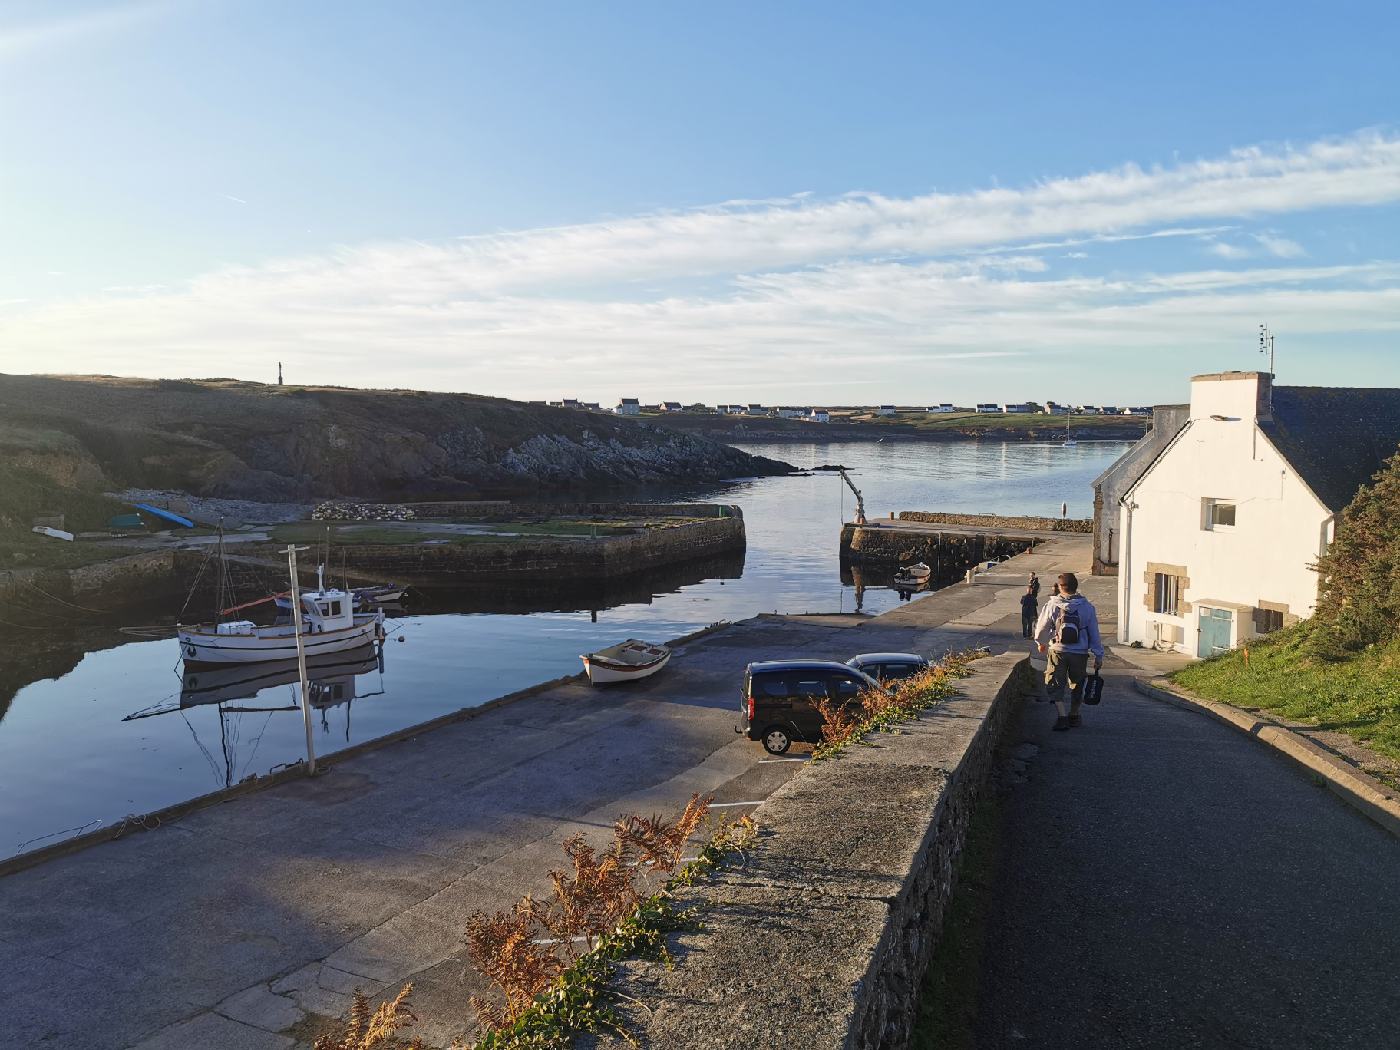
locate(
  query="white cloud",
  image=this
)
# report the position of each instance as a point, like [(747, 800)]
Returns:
[(795, 289), (20, 39), (1280, 247)]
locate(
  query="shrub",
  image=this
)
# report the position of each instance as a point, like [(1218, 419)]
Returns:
[(1359, 594)]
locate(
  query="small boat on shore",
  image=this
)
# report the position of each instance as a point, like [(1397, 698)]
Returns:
[(625, 662), (912, 576)]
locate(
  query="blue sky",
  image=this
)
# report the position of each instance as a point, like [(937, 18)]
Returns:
[(782, 202)]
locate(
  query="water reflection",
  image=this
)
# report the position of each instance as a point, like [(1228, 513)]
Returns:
[(68, 759)]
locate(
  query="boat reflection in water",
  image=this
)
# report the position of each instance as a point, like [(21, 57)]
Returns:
[(333, 680)]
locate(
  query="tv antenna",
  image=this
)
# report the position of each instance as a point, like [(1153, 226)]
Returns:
[(1266, 345)]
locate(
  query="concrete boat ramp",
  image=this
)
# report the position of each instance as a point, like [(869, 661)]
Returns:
[(238, 925)]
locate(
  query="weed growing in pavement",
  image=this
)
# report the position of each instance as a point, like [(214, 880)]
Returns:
[(547, 989), (882, 711), (377, 1030)]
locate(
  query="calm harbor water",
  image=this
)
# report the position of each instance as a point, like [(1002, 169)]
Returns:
[(71, 761)]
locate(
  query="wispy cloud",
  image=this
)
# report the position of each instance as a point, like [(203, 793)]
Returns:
[(772, 289), (18, 39)]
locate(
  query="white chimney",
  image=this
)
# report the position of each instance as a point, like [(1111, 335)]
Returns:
[(1232, 395)]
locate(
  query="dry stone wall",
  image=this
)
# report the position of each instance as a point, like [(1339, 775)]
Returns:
[(821, 937), (998, 521)]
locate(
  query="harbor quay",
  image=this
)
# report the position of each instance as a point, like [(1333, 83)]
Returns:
[(249, 923), (255, 919)]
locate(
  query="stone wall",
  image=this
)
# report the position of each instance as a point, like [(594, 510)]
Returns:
[(505, 510), (471, 559), (997, 521), (822, 935), (945, 552)]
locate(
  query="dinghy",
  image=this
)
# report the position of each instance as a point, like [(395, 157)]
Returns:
[(913, 575), (627, 662)]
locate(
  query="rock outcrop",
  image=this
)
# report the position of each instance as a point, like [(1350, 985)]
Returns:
[(242, 440)]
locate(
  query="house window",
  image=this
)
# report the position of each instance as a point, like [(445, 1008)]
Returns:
[(1217, 514), (1166, 591), (1267, 621)]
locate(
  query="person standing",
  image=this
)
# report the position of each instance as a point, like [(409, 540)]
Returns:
[(1068, 628), (1029, 608), (1033, 582)]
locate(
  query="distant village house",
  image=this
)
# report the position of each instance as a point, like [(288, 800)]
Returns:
[(629, 406)]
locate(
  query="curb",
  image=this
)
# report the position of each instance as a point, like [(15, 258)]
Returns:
[(1363, 793)]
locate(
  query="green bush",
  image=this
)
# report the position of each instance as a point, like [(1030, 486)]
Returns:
[(1359, 595)]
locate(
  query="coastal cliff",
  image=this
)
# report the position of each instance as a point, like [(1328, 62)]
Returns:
[(241, 440)]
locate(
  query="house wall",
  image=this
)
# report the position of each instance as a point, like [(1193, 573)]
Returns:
[(1112, 483), (1262, 562)]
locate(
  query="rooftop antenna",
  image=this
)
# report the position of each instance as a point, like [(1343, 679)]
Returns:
[(279, 373), (1266, 345)]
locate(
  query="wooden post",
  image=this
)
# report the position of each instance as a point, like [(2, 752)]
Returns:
[(291, 553)]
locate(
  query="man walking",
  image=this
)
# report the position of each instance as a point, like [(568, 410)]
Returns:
[(1028, 611), (1069, 628)]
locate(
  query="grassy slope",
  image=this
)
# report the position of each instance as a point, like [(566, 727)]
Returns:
[(1359, 696)]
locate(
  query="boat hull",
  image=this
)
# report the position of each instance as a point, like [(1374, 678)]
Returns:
[(206, 647), (608, 672)]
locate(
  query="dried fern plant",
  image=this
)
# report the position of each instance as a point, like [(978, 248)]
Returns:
[(659, 844), (377, 1030), (839, 721), (503, 949), (591, 899)]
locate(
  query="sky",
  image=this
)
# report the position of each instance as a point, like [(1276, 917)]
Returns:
[(811, 203)]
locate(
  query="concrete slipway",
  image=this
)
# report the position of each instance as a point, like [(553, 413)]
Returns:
[(230, 926)]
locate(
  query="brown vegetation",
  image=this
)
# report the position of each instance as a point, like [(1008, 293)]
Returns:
[(377, 1030)]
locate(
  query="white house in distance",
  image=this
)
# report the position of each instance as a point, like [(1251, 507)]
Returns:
[(986, 408), (938, 409), (819, 415), (629, 406), (1219, 534), (885, 410)]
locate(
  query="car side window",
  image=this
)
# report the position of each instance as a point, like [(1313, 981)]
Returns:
[(810, 688), (771, 685), (846, 688), (896, 671)]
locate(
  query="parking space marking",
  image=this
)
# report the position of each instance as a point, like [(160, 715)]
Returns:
[(766, 761), (727, 805)]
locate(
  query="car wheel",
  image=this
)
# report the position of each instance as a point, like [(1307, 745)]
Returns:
[(776, 740)]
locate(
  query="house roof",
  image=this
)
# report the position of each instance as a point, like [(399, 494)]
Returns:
[(1336, 438)]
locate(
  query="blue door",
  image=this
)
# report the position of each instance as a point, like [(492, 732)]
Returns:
[(1214, 632)]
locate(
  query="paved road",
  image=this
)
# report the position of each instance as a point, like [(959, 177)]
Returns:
[(1166, 882), (227, 928)]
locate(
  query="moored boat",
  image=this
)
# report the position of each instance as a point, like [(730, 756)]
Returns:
[(329, 625), (626, 662), (911, 576)]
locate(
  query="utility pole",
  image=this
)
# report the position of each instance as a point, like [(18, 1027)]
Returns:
[(291, 553), (279, 373)]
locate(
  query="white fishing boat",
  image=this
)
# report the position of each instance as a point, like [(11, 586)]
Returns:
[(329, 625), (364, 597), (626, 662), (913, 575)]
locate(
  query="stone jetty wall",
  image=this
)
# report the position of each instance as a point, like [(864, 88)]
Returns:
[(505, 510), (953, 552), (998, 521), (480, 558), (827, 927)]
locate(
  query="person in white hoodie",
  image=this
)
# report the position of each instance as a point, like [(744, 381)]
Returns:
[(1069, 629)]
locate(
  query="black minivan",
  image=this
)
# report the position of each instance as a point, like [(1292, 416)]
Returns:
[(778, 704)]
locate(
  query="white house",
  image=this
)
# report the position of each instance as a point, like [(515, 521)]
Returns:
[(1054, 408), (629, 406), (755, 409), (885, 410), (670, 406), (936, 409), (819, 415), (794, 412), (986, 408), (1219, 534), (1023, 407)]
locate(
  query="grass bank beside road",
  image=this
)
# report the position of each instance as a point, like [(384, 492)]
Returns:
[(1359, 696)]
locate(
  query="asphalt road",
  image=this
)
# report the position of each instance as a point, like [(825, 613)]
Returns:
[(1166, 882)]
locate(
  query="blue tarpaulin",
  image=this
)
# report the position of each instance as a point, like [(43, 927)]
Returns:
[(166, 514)]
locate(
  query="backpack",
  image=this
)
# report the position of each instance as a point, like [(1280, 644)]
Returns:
[(1068, 628)]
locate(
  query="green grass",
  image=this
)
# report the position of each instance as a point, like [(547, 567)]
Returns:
[(1359, 696)]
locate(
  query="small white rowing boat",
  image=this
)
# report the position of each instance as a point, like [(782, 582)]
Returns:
[(627, 662), (913, 575)]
